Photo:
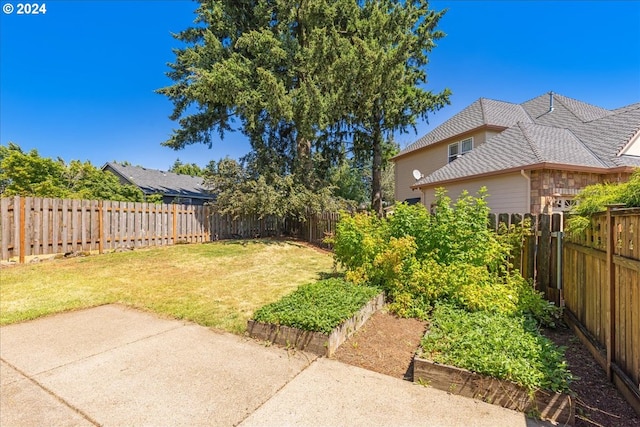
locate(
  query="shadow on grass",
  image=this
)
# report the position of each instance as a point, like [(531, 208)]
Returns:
[(270, 241), (331, 275)]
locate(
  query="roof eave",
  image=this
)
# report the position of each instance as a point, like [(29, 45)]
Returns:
[(537, 166), (117, 172)]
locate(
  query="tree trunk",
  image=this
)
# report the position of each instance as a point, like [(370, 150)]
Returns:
[(304, 166), (303, 143), (376, 172)]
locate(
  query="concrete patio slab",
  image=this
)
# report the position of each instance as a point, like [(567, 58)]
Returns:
[(115, 366), (56, 340), (25, 403), (166, 371), (330, 393)]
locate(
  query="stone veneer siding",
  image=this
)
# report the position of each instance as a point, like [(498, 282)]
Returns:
[(545, 182)]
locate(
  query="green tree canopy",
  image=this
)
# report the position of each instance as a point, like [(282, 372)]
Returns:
[(240, 192), (305, 79), (254, 61), (186, 168), (379, 75), (31, 175)]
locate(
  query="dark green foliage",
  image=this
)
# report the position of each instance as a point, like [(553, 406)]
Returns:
[(379, 75), (318, 307), (505, 347), (305, 81), (241, 192)]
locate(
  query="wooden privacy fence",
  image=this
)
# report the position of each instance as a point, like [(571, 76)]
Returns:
[(596, 277), (41, 226), (601, 278), (540, 257)]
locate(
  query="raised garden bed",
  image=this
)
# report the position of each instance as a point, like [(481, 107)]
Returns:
[(555, 407), (498, 358), (320, 343)]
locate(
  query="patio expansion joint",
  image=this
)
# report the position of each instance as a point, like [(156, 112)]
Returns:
[(277, 391), (51, 393)]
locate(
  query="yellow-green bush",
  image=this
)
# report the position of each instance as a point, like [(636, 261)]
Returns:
[(419, 258)]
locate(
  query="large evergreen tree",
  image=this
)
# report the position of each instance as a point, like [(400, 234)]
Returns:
[(252, 60), (305, 79), (380, 76)]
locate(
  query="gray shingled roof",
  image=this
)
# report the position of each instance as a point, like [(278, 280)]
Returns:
[(574, 133), (481, 112), (152, 181)]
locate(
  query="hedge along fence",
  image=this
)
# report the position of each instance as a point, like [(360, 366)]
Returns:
[(32, 226)]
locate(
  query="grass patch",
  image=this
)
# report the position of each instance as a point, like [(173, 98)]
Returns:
[(498, 345), (219, 284), (318, 306)]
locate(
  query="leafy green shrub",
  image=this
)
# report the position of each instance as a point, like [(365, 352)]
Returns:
[(595, 198), (318, 307), (457, 233), (486, 313), (361, 238), (505, 347), (418, 258)]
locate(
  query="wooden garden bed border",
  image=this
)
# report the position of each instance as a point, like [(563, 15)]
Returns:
[(314, 342), (550, 406)]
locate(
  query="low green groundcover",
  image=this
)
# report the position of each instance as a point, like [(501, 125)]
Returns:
[(318, 306), (501, 346)]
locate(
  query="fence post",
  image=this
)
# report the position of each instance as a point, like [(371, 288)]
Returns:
[(612, 293), (175, 224), (543, 255), (23, 231), (100, 228), (555, 265)]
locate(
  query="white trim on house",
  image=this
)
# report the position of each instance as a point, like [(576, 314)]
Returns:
[(633, 146)]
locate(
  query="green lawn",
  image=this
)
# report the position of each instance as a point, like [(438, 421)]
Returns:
[(219, 284)]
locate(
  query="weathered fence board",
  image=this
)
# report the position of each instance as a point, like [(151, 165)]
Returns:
[(41, 226), (602, 295)]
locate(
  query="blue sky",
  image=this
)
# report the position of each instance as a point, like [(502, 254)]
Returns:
[(78, 82)]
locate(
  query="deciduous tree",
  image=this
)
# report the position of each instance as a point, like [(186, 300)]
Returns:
[(31, 175)]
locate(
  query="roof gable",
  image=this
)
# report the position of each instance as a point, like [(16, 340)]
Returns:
[(572, 133), (517, 147), (572, 110), (483, 112), (153, 181)]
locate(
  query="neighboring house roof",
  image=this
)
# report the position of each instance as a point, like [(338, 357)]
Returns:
[(152, 181), (573, 134)]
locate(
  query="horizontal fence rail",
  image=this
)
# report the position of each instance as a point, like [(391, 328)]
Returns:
[(31, 226)]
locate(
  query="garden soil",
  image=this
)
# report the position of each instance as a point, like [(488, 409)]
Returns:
[(386, 344)]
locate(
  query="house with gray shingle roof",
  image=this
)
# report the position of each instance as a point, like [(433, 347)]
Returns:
[(174, 188), (532, 157)]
